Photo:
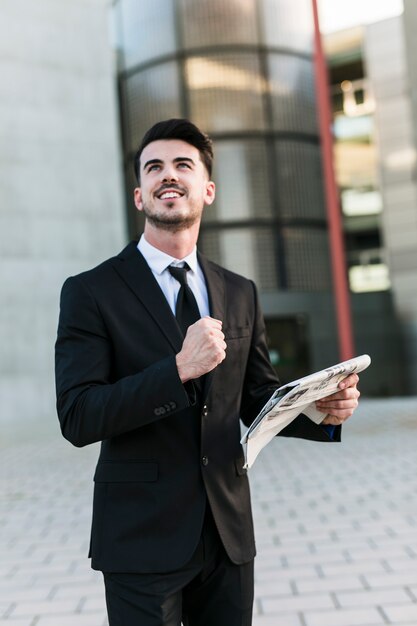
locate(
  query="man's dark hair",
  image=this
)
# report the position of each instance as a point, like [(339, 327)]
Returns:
[(183, 130)]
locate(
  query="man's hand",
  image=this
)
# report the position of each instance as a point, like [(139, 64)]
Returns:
[(339, 406), (203, 349)]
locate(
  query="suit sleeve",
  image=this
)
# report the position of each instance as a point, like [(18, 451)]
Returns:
[(261, 381), (91, 405)]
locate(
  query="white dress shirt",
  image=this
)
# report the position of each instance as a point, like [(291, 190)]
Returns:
[(159, 261)]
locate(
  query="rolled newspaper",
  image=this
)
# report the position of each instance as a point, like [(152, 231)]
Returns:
[(299, 396)]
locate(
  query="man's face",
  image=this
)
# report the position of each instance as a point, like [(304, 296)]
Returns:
[(174, 185)]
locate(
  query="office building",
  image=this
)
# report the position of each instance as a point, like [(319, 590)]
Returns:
[(244, 72), (374, 87)]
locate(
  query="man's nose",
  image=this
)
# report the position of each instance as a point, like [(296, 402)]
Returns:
[(169, 174)]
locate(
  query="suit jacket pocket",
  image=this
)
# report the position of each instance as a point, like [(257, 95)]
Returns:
[(236, 333), (126, 472)]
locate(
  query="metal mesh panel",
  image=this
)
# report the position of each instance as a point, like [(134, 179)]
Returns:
[(135, 218), (226, 92), (139, 221), (150, 96), (249, 252), (147, 29), (241, 177), (288, 24), (267, 269), (299, 180), (216, 22), (208, 243), (292, 93), (307, 259)]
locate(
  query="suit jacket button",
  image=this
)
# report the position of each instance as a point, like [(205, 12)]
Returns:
[(204, 412), (205, 460)]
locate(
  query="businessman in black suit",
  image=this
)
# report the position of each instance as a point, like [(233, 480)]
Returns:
[(172, 525)]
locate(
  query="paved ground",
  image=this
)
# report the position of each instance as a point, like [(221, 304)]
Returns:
[(336, 527)]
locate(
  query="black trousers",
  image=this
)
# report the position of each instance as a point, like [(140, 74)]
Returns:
[(209, 590)]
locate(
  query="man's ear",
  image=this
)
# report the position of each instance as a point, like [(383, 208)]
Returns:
[(138, 198), (210, 193)]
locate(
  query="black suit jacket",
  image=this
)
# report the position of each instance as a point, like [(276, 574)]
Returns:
[(163, 452)]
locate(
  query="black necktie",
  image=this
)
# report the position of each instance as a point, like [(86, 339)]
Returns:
[(186, 311)]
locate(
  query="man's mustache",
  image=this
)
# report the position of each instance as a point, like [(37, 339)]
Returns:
[(172, 186)]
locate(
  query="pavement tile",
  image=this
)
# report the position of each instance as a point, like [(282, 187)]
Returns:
[(291, 604), (402, 564), (5, 608), (333, 584), (387, 552), (76, 577), (372, 598), (92, 619), (347, 617), (264, 572), (391, 579), (275, 587), (330, 522), (276, 620), (25, 609), (369, 567), (27, 621), (330, 556), (401, 613), (37, 594), (94, 603), (64, 592)]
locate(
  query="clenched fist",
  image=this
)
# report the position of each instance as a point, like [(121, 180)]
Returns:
[(203, 349)]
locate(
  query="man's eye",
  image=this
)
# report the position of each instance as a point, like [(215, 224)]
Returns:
[(187, 165), (153, 167)]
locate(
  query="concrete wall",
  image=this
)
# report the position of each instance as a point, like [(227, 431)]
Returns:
[(408, 262), (390, 55), (61, 202)]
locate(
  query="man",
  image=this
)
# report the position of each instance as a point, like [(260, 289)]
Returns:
[(172, 525)]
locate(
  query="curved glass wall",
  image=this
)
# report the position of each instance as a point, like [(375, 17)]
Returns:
[(242, 70)]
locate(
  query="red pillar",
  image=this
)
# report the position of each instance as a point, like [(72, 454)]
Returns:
[(337, 250)]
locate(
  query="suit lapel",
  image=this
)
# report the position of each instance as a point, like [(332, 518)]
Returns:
[(217, 302), (135, 272), (215, 287)]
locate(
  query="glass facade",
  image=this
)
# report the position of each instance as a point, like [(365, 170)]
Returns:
[(217, 23), (148, 95), (225, 92), (242, 70), (287, 24), (292, 94), (245, 161), (147, 30), (298, 178), (357, 168)]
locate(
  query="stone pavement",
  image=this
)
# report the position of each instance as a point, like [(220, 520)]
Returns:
[(336, 527)]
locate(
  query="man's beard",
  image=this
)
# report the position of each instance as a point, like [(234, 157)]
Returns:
[(172, 222)]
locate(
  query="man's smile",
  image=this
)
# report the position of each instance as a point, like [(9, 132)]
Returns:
[(169, 194)]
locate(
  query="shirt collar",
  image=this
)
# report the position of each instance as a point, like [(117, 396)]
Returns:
[(158, 261)]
